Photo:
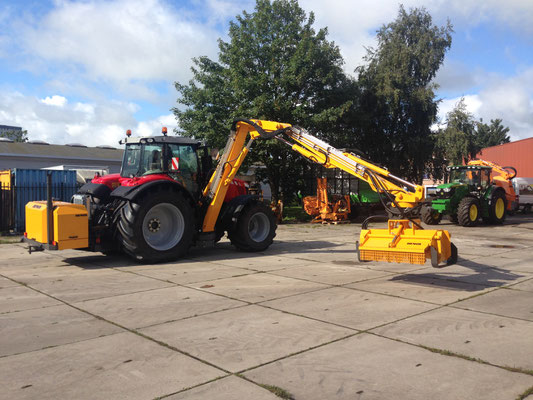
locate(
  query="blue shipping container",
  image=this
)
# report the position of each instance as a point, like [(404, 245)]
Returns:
[(30, 185)]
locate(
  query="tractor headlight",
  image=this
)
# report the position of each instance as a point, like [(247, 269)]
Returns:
[(447, 190)]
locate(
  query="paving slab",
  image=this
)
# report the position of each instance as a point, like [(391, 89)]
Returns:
[(264, 263), (120, 366), (349, 307), (369, 367), (49, 271), (19, 298), (191, 272), (245, 337), (395, 268), (88, 285), (5, 283), (332, 254), (526, 285), (258, 287), (229, 388), (157, 306), (31, 330), (15, 251), (498, 340), (474, 272), (506, 302), (330, 273), (415, 287), (87, 259)]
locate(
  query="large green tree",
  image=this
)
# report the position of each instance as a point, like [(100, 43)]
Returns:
[(398, 104), (463, 137), (274, 66), (492, 134), (456, 141)]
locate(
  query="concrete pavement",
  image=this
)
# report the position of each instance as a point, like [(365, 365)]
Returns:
[(302, 320)]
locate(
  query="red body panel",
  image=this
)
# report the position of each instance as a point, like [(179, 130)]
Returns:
[(236, 188), (112, 181)]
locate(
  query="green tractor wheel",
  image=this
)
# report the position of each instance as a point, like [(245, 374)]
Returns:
[(468, 211)]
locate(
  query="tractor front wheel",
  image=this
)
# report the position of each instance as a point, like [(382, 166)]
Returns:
[(430, 216), (497, 208), (468, 211), (255, 228), (156, 227)]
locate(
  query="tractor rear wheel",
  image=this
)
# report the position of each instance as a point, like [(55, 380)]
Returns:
[(255, 228), (468, 211), (156, 227), (430, 216), (497, 208)]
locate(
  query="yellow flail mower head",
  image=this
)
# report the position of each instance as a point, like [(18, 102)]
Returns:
[(404, 241)]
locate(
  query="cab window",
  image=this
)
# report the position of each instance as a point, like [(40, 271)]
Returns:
[(183, 165)]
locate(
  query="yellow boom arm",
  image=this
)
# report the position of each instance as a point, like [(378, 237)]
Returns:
[(392, 244)]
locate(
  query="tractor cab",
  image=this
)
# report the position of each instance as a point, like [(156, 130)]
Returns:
[(477, 178), (149, 158)]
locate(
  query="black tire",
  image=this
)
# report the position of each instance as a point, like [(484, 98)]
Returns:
[(157, 226), (498, 207), (430, 216), (454, 256), (468, 211), (255, 228)]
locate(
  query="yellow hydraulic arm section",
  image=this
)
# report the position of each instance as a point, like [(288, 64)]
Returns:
[(503, 171), (403, 241)]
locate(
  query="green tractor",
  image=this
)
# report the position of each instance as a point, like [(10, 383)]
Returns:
[(468, 195)]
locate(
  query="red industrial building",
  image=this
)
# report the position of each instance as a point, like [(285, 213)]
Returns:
[(517, 154)]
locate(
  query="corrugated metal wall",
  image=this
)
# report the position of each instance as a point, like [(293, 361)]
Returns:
[(30, 185), (517, 154)]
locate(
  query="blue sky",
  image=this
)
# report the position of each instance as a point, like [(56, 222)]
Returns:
[(85, 71)]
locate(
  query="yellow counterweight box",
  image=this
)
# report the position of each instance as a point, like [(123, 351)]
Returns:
[(70, 224)]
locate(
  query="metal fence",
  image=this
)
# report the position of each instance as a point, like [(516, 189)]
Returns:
[(13, 200), (339, 181), (7, 215)]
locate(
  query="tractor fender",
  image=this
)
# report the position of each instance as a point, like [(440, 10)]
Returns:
[(492, 190), (232, 209), (130, 193), (97, 190)]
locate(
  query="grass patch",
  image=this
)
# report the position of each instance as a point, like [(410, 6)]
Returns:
[(479, 360), (295, 213), (525, 394), (281, 393), (8, 239)]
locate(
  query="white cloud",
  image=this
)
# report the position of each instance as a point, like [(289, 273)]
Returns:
[(90, 124), (126, 42), (153, 127), (509, 99), (54, 100), (353, 24)]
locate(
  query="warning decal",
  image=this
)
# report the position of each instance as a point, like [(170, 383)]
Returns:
[(175, 163)]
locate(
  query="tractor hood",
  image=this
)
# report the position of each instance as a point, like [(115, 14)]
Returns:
[(447, 190)]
